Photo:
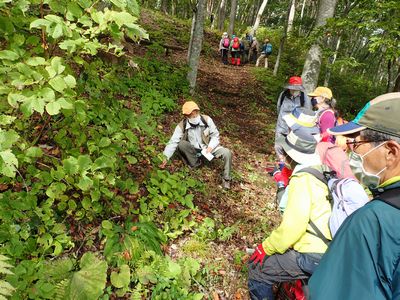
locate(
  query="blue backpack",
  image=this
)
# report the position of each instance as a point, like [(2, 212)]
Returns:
[(268, 49)]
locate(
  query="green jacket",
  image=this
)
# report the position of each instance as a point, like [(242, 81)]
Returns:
[(362, 262)]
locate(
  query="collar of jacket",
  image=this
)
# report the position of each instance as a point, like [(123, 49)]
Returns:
[(380, 189), (188, 125)]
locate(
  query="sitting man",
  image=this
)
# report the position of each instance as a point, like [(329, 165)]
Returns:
[(363, 260), (294, 249), (197, 136)]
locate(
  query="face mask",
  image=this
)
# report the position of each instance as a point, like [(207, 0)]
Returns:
[(314, 102), (295, 93), (195, 120), (357, 166)]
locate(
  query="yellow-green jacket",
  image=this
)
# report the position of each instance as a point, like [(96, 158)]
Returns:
[(306, 200)]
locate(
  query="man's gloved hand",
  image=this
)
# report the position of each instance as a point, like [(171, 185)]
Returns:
[(258, 255)]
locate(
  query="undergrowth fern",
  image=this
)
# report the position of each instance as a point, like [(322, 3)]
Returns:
[(6, 289)]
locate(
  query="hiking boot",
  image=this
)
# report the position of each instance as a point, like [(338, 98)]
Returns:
[(226, 184)]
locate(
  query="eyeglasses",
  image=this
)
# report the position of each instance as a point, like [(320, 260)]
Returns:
[(353, 145)]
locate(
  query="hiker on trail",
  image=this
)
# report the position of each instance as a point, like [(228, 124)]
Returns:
[(322, 100), (244, 50), (224, 47), (265, 53), (196, 137), (292, 96), (293, 250), (235, 50), (362, 262), (253, 50)]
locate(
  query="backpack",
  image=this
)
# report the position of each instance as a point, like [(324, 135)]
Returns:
[(335, 158), (287, 94), (226, 42), (236, 44), (268, 49), (345, 195)]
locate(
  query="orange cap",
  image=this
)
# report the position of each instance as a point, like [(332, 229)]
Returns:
[(188, 107)]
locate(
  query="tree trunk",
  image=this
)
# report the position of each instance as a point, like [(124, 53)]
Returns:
[(197, 41), (221, 15), (258, 18), (312, 65), (302, 10), (232, 17), (192, 34), (164, 6), (332, 61), (396, 87), (282, 43), (389, 72), (291, 17), (173, 7)]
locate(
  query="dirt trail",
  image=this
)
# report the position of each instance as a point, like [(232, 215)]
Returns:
[(234, 99)]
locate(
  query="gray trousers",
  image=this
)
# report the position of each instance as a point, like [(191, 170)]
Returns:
[(288, 266), (191, 157)]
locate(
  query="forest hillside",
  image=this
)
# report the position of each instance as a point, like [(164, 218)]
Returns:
[(91, 92)]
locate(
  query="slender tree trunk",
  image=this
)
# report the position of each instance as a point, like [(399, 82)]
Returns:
[(396, 87), (232, 17), (192, 34), (164, 6), (173, 7), (282, 43), (197, 41), (312, 65), (332, 61), (221, 15), (389, 72), (291, 17), (258, 18), (302, 10)]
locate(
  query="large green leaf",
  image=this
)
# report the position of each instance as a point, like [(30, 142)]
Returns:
[(31, 104), (89, 282), (53, 108), (35, 61), (9, 55), (58, 84), (121, 279)]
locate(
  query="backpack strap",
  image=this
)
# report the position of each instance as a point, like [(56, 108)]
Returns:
[(204, 119), (302, 99), (283, 95), (323, 177), (390, 197), (318, 233)]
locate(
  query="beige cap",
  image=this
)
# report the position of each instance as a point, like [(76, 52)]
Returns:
[(188, 107), (322, 91)]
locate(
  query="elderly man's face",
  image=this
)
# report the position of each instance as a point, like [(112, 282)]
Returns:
[(373, 153)]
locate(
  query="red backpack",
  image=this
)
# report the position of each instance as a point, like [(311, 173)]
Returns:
[(236, 44), (226, 42)]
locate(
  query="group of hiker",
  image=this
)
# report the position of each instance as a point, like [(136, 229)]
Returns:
[(244, 50), (333, 239), (331, 234)]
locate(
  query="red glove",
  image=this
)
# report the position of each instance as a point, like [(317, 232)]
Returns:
[(258, 255)]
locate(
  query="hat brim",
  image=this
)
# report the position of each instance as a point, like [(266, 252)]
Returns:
[(346, 129), (313, 95), (301, 158), (294, 87)]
